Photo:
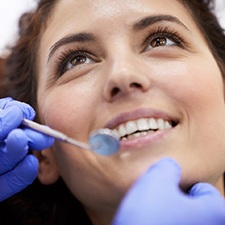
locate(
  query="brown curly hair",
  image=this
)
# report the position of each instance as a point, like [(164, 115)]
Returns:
[(54, 204)]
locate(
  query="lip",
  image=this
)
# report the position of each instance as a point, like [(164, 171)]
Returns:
[(147, 139)]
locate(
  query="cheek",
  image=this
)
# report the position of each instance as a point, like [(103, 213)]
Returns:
[(197, 86), (67, 109), (200, 93)]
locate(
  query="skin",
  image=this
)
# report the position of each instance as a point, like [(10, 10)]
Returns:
[(124, 78)]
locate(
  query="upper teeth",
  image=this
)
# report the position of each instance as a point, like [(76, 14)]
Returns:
[(142, 125)]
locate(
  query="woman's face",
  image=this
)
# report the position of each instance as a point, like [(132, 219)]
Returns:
[(130, 66)]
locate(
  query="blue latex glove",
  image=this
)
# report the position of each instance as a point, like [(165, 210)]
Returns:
[(18, 169), (156, 199)]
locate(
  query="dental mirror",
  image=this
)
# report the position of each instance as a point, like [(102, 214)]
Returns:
[(102, 141)]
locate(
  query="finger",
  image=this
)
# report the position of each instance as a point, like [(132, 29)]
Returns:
[(12, 112), (16, 148), (37, 140), (160, 179), (204, 190), (204, 193), (4, 102), (28, 111), (9, 120), (157, 183), (19, 178), (165, 171)]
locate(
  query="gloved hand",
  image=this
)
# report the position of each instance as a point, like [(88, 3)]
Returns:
[(18, 169), (156, 199)]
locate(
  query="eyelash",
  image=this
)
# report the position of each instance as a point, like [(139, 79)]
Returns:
[(68, 55), (166, 32)]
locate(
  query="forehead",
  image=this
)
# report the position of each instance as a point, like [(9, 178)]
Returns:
[(78, 15), (83, 14), (114, 6)]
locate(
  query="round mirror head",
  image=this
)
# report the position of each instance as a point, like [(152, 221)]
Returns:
[(104, 142)]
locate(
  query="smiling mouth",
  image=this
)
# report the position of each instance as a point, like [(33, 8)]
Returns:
[(142, 127)]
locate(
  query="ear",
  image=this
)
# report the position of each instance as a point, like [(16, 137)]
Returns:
[(47, 172)]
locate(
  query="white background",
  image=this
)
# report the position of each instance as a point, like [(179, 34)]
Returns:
[(10, 10)]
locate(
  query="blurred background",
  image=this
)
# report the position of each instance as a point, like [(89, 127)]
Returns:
[(10, 10)]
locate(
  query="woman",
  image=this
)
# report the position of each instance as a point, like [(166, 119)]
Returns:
[(149, 70)]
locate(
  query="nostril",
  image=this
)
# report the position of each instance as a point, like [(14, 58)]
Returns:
[(132, 85), (135, 85), (115, 91)]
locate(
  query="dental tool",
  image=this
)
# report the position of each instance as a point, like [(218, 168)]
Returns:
[(102, 141)]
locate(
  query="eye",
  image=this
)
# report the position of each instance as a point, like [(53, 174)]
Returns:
[(73, 58), (161, 41), (77, 60), (163, 37)]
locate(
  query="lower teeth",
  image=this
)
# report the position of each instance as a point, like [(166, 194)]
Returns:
[(138, 134)]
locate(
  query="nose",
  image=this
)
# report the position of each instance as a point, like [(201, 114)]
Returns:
[(125, 76)]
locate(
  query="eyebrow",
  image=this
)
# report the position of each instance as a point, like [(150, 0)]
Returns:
[(88, 37), (80, 37), (150, 20)]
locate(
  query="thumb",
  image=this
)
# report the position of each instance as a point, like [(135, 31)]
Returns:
[(157, 184), (166, 171), (161, 177)]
